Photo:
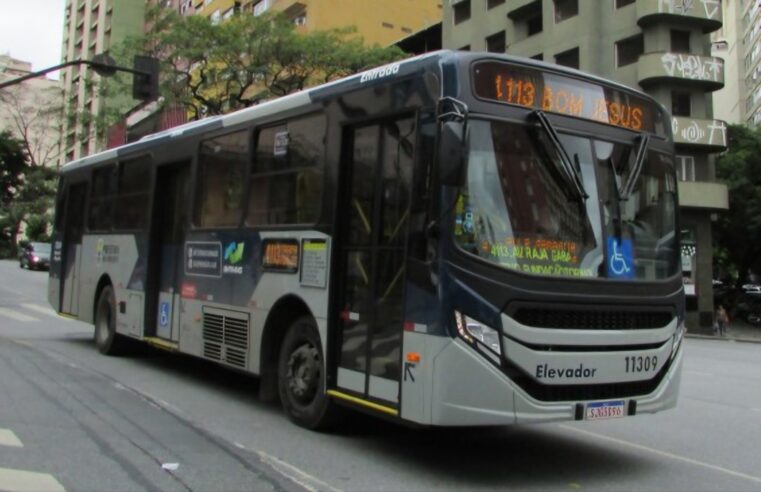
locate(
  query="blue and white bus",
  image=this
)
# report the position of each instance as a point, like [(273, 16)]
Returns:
[(454, 239)]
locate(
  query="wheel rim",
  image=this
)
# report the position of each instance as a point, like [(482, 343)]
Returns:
[(304, 370)]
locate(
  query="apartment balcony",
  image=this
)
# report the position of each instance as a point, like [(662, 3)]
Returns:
[(704, 13), (705, 72), (709, 135), (703, 194)]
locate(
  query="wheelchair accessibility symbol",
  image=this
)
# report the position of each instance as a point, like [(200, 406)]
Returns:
[(164, 314), (620, 259)]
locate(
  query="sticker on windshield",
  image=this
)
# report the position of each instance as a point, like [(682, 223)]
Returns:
[(620, 258)]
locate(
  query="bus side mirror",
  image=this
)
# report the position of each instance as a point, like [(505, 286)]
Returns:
[(451, 153)]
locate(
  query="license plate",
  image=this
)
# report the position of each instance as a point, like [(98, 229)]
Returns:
[(605, 410)]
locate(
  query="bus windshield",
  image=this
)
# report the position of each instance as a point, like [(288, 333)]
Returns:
[(514, 209)]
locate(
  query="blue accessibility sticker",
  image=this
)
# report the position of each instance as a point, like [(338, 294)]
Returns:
[(164, 314), (620, 258)]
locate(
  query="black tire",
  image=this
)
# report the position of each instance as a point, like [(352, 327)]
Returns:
[(301, 377), (107, 340)]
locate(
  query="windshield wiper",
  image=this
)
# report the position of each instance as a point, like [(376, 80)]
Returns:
[(625, 191), (564, 166)]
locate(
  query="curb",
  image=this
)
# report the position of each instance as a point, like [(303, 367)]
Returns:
[(723, 339)]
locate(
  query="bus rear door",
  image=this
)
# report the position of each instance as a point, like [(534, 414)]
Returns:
[(72, 247)]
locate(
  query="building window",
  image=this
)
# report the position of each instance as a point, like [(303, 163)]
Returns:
[(496, 43), (568, 58), (623, 3), (565, 9), (680, 103), (680, 41), (490, 4), (387, 25), (628, 50), (465, 48), (539, 57), (685, 167), (461, 11), (534, 24)]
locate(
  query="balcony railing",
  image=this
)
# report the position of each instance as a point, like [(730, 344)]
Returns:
[(698, 132), (706, 72), (703, 194), (705, 13)]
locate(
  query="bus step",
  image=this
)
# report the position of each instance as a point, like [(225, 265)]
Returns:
[(162, 344)]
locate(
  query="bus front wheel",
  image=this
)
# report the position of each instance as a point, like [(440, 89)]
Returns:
[(106, 338), (301, 376)]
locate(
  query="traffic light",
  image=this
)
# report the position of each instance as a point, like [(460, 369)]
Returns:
[(146, 85)]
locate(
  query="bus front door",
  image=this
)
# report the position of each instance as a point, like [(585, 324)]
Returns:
[(372, 253), (168, 237), (72, 248)]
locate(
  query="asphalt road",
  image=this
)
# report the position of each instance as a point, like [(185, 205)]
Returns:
[(90, 422)]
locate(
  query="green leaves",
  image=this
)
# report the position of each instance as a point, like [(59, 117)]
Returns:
[(213, 68), (737, 235)]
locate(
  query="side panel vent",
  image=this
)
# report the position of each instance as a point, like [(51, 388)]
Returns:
[(225, 336)]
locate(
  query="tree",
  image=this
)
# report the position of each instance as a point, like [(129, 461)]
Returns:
[(34, 117), (14, 162), (738, 232), (214, 68)]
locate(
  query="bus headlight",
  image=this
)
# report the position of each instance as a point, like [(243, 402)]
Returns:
[(678, 337), (477, 333)]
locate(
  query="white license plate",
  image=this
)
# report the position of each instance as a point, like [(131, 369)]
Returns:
[(605, 410)]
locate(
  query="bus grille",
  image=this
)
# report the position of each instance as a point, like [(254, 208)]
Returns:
[(577, 393), (225, 336), (582, 319)]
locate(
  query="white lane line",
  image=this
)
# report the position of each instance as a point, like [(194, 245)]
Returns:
[(665, 454), (8, 438), (10, 313), (698, 373), (301, 477), (26, 481), (47, 310)]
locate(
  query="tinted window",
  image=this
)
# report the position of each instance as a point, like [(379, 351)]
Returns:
[(286, 185), (101, 199), (133, 197), (223, 168)]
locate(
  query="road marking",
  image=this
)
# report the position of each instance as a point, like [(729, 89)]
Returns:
[(699, 373), (665, 454), (26, 481), (8, 438), (47, 310), (301, 477), (10, 313)]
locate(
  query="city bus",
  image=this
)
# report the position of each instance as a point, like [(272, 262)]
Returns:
[(455, 239)]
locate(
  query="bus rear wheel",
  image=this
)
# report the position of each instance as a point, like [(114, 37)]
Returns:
[(107, 340), (301, 376)]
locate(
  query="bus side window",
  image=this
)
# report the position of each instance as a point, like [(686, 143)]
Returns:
[(223, 165), (102, 191), (133, 195), (286, 183)]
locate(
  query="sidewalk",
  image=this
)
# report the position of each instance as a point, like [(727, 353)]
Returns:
[(739, 331)]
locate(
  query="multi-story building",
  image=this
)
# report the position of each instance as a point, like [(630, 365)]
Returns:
[(377, 22), (739, 43), (31, 111), (91, 27), (659, 46)]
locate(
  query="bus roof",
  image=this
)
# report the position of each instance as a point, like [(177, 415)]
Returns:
[(320, 92)]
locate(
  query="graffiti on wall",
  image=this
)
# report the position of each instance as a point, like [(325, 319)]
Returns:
[(701, 132), (693, 67), (711, 8)]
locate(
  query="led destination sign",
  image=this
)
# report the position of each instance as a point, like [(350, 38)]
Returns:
[(565, 95)]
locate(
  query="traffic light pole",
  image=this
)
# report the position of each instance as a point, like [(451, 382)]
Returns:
[(102, 68)]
